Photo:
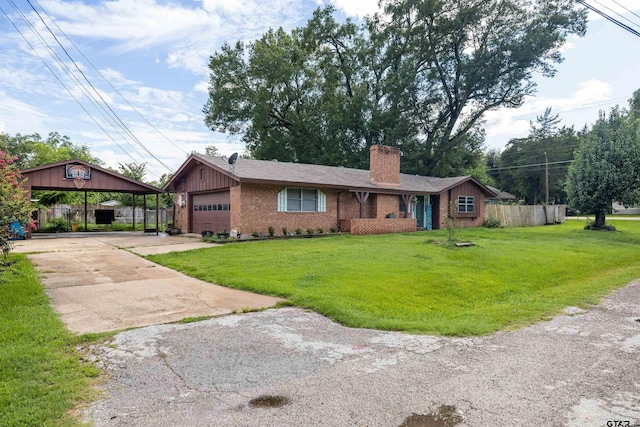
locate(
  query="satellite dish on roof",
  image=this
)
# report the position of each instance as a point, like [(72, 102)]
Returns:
[(232, 162)]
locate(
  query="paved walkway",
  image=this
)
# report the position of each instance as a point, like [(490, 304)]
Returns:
[(97, 283)]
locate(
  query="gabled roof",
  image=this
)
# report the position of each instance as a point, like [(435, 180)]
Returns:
[(133, 185), (301, 174)]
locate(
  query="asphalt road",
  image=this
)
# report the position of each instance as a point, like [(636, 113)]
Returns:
[(290, 367)]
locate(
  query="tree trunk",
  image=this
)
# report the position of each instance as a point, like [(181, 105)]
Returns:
[(599, 219)]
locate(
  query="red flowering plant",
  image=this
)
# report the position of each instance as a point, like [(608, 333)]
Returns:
[(14, 205)]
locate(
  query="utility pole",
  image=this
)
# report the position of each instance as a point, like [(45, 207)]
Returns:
[(546, 168), (546, 179)]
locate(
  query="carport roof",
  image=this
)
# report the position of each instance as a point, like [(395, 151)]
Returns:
[(300, 174), (52, 177)]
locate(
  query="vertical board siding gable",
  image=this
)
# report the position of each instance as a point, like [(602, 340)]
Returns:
[(213, 180)]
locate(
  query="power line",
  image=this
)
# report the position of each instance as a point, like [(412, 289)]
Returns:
[(530, 166), (621, 16), (122, 124), (628, 10), (63, 84), (609, 18), (108, 82)]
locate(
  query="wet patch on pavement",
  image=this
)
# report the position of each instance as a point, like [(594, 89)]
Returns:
[(269, 402), (444, 416)]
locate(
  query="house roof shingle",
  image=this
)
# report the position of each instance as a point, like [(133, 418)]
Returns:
[(502, 195), (318, 175)]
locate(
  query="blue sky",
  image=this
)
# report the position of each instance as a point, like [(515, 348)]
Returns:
[(155, 54)]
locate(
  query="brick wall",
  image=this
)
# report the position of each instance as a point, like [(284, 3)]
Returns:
[(382, 226), (386, 204), (235, 200), (463, 220), (350, 208), (259, 210), (384, 167)]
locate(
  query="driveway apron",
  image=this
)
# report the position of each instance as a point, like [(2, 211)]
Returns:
[(96, 285)]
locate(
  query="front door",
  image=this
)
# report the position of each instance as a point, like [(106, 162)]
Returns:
[(423, 212)]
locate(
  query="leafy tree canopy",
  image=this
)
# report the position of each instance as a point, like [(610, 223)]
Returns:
[(607, 166), (419, 77), (520, 168), (32, 150)]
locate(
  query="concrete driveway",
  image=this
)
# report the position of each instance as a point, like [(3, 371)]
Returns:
[(97, 283), (291, 367)]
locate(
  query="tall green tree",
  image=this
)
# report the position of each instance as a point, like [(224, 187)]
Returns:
[(135, 171), (419, 77), (520, 168), (607, 167), (32, 150), (306, 96), (454, 61)]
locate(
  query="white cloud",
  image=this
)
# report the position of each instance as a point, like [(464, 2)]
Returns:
[(137, 23), (356, 8), (504, 124), (189, 34), (202, 86), (19, 117)]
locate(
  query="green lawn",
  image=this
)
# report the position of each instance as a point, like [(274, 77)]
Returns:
[(513, 277), (41, 376)]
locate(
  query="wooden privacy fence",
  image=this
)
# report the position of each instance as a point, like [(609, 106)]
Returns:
[(526, 216)]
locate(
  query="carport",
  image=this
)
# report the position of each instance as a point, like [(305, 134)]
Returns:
[(78, 175)]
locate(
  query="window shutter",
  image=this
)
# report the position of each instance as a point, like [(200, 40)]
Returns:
[(282, 201), (322, 202)]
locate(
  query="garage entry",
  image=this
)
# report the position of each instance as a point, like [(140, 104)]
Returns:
[(210, 212)]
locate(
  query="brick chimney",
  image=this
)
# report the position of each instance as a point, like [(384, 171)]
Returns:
[(384, 169)]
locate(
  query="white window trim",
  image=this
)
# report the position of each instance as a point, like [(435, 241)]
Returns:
[(321, 201)]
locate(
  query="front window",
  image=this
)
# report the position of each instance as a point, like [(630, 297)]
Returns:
[(302, 200), (466, 204)]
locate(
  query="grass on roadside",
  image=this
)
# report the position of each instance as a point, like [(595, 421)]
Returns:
[(511, 278), (41, 376)]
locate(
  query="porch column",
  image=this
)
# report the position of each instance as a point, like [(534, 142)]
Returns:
[(157, 204), (362, 197), (406, 198)]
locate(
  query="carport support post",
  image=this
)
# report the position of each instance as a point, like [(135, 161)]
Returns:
[(133, 211), (144, 212), (85, 211), (157, 205)]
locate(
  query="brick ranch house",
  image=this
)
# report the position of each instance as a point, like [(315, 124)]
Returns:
[(252, 195)]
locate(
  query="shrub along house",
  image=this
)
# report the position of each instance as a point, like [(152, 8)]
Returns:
[(253, 195)]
